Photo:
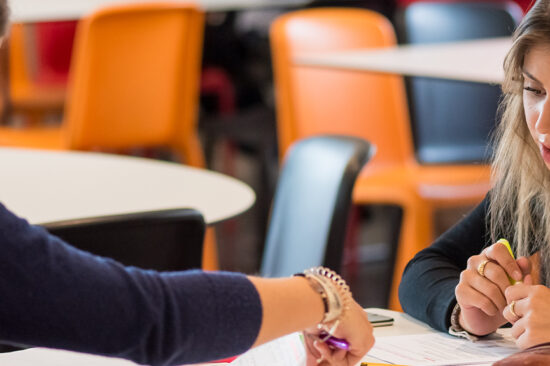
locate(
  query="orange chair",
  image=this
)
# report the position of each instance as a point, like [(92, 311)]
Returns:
[(134, 82), (315, 100)]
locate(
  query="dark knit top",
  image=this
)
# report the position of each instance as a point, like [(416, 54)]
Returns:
[(54, 295), (427, 290)]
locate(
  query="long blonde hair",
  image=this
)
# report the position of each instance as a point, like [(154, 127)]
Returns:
[(520, 200)]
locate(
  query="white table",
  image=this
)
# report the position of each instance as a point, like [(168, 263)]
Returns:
[(47, 357), (478, 61), (48, 186), (52, 10), (264, 355)]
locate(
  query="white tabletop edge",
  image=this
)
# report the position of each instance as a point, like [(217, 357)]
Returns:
[(157, 185), (474, 60), (58, 10)]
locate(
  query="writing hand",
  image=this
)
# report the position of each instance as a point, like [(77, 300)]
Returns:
[(354, 328)]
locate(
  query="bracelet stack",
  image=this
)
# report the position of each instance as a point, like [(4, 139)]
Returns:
[(334, 292)]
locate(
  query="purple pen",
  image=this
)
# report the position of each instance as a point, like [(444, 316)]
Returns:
[(334, 342)]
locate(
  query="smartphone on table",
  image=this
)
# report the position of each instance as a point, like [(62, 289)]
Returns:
[(378, 320)]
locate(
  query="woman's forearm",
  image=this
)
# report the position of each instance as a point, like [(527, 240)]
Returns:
[(289, 305), (55, 295)]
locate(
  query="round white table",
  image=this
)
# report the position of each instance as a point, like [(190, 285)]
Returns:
[(49, 186), (53, 10), (478, 60)]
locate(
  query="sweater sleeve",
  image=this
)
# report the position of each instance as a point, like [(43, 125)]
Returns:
[(54, 295), (427, 289)]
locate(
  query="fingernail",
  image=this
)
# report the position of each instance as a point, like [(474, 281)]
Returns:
[(517, 276)]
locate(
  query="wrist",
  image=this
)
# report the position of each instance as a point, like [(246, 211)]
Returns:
[(476, 322), (288, 305), (458, 327), (316, 307), (334, 294)]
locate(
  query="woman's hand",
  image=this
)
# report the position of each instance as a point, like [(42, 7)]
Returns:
[(529, 313), (481, 290), (354, 328)]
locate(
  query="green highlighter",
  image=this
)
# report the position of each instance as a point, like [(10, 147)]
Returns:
[(507, 245)]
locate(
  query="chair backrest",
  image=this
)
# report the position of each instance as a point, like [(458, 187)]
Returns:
[(22, 68), (310, 208), (134, 76), (453, 120), (317, 100), (167, 240)]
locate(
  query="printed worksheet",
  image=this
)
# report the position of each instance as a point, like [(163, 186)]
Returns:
[(439, 349)]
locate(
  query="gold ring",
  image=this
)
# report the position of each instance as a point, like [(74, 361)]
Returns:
[(512, 305), (481, 267)]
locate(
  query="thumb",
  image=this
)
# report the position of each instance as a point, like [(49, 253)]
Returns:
[(525, 265)]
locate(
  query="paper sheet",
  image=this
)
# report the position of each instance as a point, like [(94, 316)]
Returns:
[(287, 351), (439, 349)]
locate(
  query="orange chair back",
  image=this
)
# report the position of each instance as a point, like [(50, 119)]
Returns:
[(134, 77), (323, 100), (40, 53), (21, 45)]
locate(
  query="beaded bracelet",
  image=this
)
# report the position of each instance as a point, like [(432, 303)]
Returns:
[(334, 293)]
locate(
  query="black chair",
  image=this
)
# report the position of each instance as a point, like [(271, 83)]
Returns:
[(166, 240), (386, 7), (452, 120), (311, 204)]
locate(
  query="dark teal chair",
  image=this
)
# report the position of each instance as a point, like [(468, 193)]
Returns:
[(453, 120), (312, 201)]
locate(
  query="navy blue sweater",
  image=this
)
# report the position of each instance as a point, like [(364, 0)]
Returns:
[(54, 295)]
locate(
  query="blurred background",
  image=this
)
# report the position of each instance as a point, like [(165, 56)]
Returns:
[(237, 123)]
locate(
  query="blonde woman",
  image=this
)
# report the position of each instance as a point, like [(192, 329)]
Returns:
[(465, 276)]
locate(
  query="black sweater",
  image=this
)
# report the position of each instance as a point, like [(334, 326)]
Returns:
[(427, 290)]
